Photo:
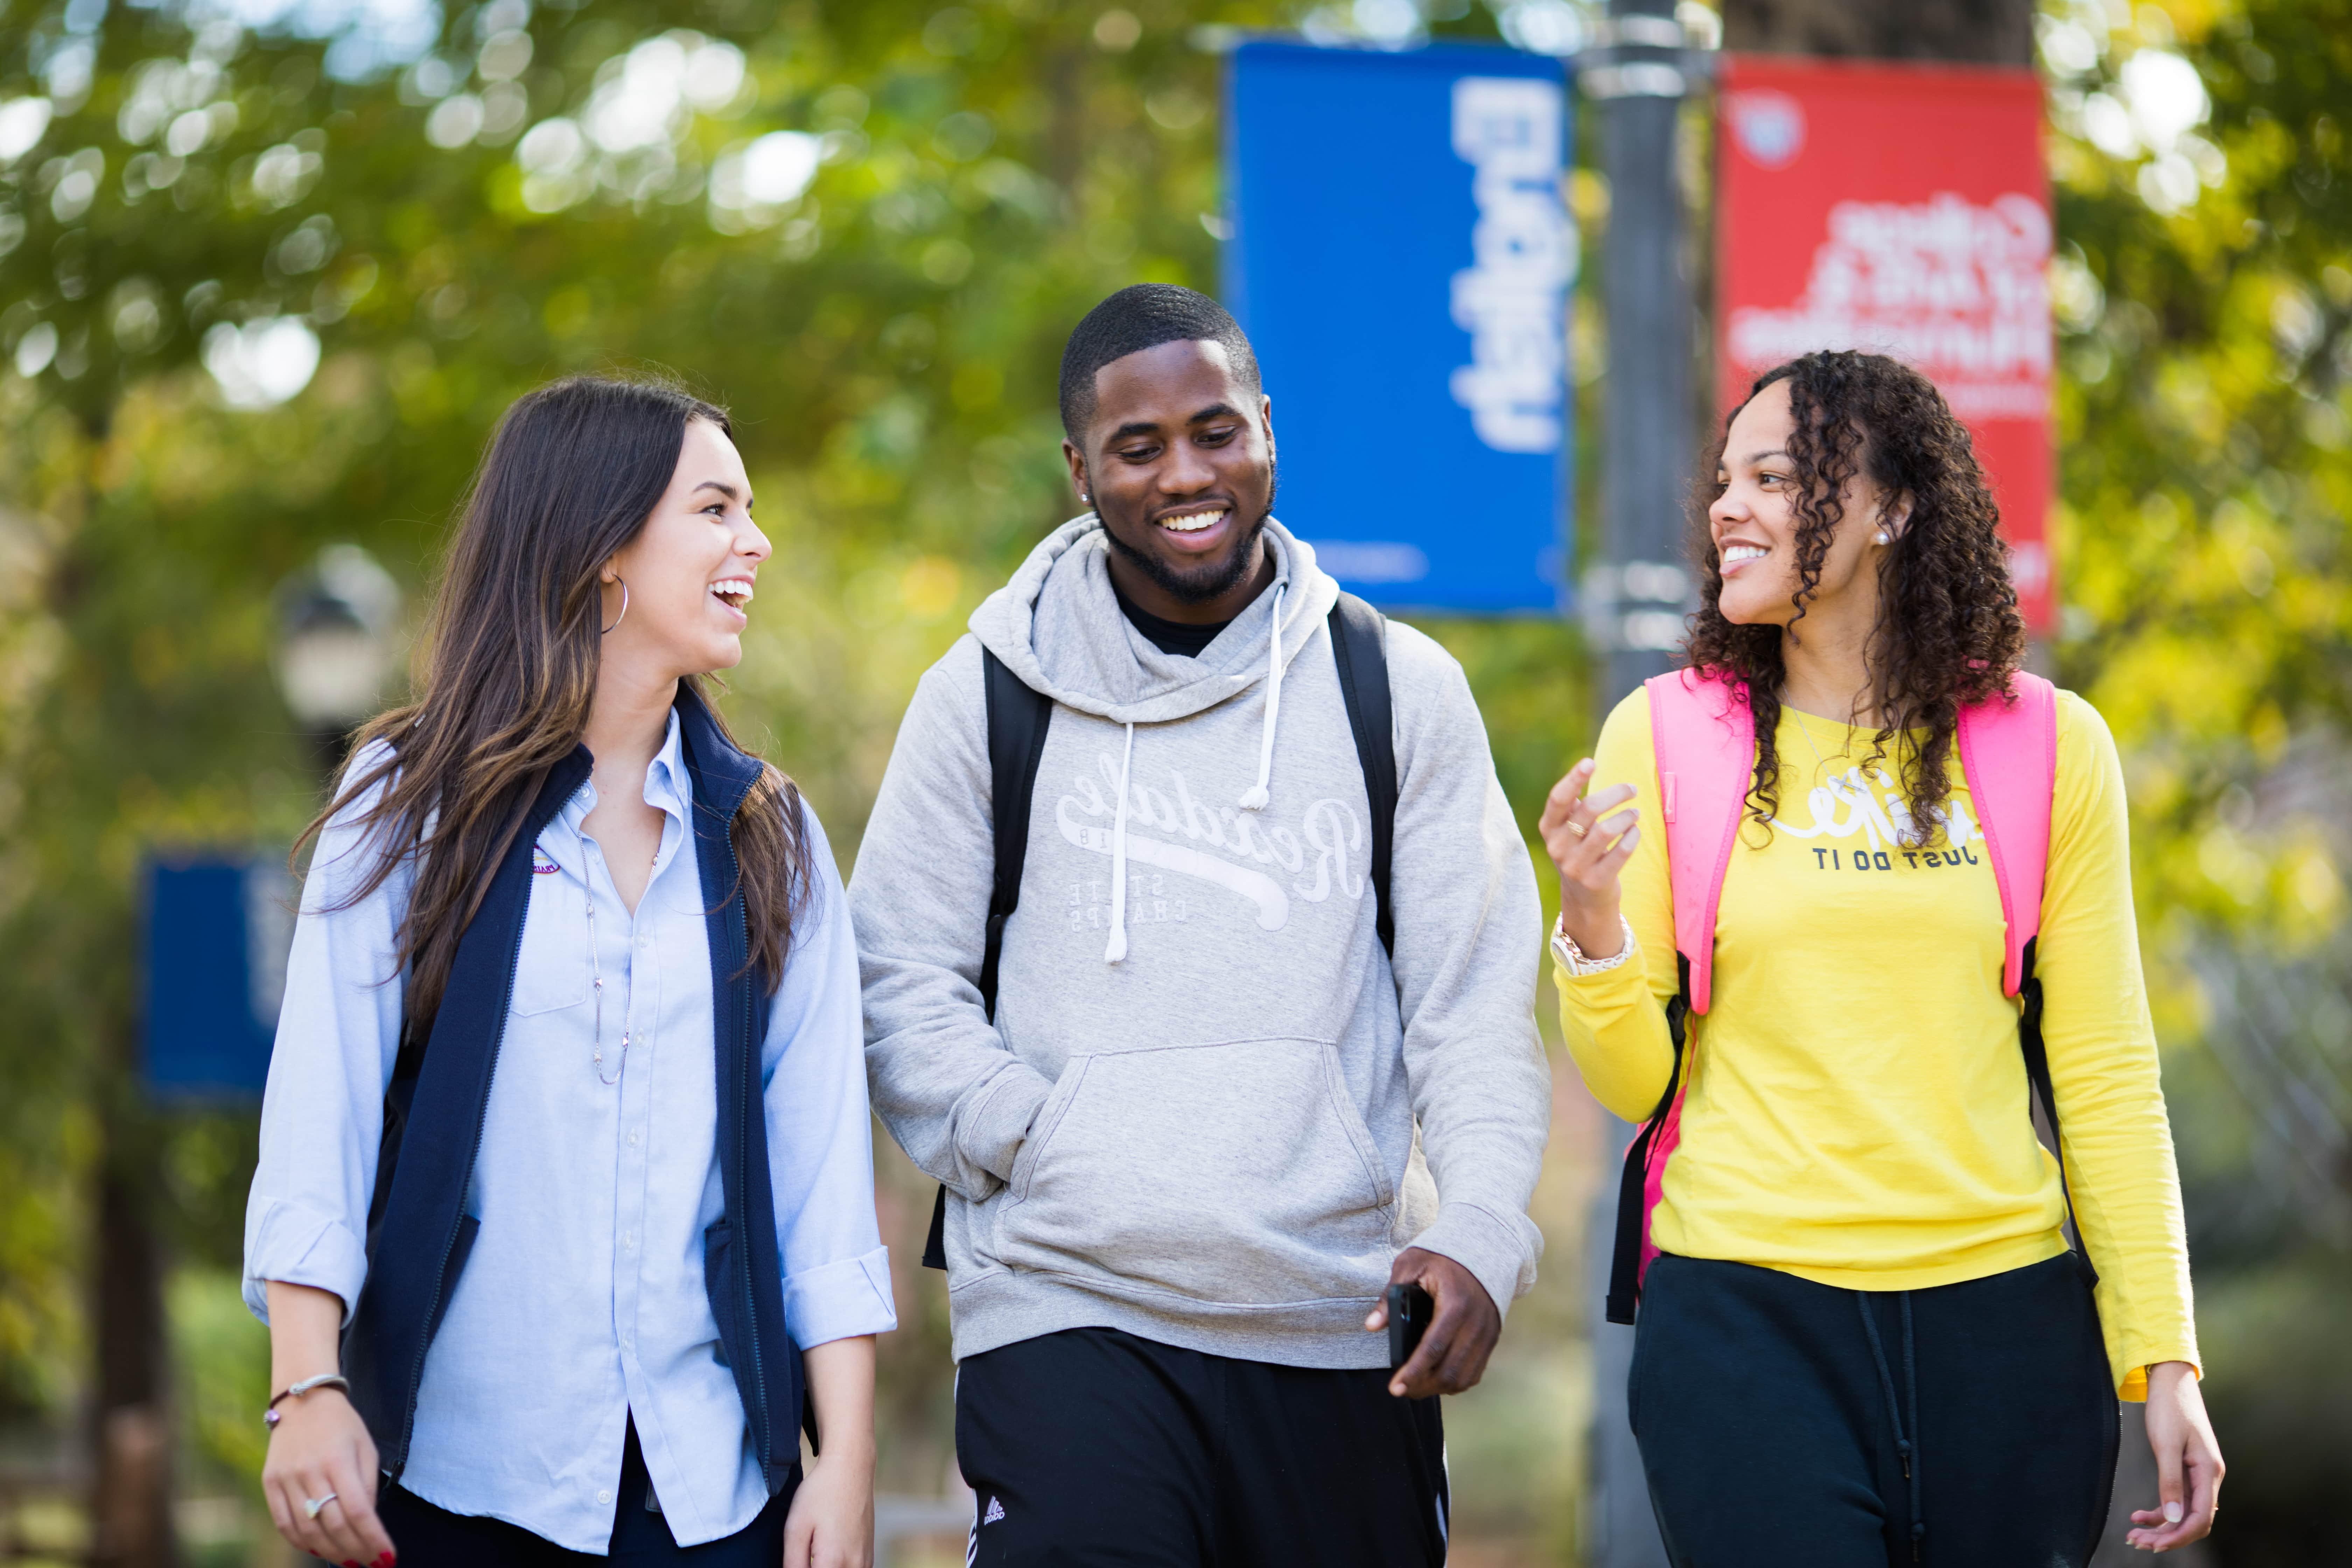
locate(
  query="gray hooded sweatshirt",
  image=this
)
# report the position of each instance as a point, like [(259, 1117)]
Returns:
[(1209, 1111)]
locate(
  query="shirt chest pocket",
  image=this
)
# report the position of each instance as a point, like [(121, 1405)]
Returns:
[(553, 971)]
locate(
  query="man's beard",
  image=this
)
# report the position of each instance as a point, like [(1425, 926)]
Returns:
[(1203, 584)]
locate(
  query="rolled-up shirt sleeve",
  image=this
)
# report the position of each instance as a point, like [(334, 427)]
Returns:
[(338, 1033), (819, 1129)]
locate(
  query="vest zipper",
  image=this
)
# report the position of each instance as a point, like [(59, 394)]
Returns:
[(481, 1119), (761, 1417)]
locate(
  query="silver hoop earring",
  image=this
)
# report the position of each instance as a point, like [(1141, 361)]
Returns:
[(624, 607)]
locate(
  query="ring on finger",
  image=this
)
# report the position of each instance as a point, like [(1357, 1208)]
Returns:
[(310, 1506), (1576, 828)]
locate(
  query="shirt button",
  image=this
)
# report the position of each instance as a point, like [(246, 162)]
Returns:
[(628, 1241), (603, 1495), (634, 1139)]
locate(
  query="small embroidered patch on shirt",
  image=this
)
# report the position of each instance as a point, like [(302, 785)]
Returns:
[(995, 1511), (541, 864)]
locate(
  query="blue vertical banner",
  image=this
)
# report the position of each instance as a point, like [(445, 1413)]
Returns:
[(213, 963), (1400, 255)]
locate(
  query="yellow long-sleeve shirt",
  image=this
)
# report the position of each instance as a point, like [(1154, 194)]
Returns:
[(1857, 1106)]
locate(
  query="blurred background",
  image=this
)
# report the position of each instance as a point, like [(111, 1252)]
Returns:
[(269, 270)]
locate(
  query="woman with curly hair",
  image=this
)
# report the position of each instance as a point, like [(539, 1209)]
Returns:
[(1864, 1336)]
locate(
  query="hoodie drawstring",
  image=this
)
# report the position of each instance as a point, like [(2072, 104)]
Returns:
[(1114, 950), (1257, 795), (1254, 799)]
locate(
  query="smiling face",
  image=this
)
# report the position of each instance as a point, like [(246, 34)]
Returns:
[(1179, 464), (690, 569), (1754, 524)]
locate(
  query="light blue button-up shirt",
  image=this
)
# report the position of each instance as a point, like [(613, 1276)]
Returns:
[(582, 1304)]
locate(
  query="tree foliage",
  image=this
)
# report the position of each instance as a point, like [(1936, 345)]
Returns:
[(2204, 292), (2205, 296)]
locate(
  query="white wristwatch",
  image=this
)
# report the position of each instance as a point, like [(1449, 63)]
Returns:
[(1571, 957)]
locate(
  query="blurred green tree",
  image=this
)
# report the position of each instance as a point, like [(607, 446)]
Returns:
[(2204, 296)]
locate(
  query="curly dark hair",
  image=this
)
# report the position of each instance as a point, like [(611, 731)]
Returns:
[(1948, 632)]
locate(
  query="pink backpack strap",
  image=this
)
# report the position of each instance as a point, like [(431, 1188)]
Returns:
[(2009, 753), (2008, 750), (1704, 736), (1701, 735)]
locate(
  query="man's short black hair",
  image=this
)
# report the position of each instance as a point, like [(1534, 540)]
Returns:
[(1143, 316)]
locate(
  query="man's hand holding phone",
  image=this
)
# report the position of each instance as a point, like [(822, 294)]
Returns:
[(1462, 1325)]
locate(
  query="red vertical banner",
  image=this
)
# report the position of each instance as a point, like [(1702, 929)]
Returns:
[(1904, 210)]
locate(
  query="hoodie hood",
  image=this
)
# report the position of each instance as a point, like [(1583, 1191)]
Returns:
[(1058, 627)]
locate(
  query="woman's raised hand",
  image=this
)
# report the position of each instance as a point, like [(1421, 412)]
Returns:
[(1590, 851)]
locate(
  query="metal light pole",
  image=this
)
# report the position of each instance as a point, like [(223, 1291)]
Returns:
[(1637, 595), (339, 618)]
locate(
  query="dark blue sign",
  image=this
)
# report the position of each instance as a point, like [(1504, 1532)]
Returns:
[(215, 971), (1401, 257)]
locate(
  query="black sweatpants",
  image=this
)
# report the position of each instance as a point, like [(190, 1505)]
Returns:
[(1095, 1447), (430, 1537), (1972, 1425)]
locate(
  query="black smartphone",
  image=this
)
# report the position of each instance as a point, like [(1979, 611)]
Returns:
[(1410, 1310)]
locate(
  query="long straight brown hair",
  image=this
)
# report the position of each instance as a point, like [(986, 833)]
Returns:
[(509, 668)]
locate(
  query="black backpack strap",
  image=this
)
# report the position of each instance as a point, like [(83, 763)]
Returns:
[(1632, 1183), (1017, 716), (2037, 1073), (1360, 648)]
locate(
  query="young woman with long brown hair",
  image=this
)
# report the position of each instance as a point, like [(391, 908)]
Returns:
[(1889, 890), (564, 1221)]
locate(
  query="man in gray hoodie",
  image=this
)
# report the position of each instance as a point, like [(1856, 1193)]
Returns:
[(1213, 1119)]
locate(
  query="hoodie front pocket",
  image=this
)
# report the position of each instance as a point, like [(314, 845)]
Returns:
[(1236, 1174)]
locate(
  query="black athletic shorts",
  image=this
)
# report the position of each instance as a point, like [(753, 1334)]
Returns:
[(1093, 1446)]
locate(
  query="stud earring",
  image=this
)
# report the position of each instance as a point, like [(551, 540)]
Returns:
[(1880, 537)]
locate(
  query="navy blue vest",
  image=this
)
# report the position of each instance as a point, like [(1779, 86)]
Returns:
[(418, 1230)]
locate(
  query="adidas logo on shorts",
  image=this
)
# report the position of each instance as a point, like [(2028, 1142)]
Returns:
[(995, 1511)]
